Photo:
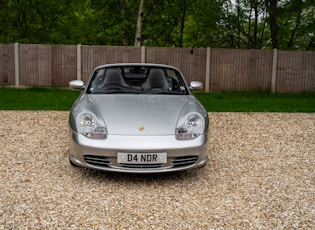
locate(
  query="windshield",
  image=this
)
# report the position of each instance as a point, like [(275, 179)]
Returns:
[(137, 80)]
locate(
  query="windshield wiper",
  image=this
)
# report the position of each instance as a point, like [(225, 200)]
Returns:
[(169, 93), (116, 92)]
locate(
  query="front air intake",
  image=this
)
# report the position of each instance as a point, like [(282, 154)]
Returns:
[(184, 161), (98, 161)]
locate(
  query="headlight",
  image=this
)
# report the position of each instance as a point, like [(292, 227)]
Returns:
[(190, 127), (89, 127)]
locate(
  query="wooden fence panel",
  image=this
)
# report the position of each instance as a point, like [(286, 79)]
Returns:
[(240, 70), (93, 56), (230, 69), (7, 64), (64, 64), (47, 65), (35, 65), (295, 72), (192, 62)]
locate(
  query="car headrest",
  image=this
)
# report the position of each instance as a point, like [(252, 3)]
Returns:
[(114, 76), (156, 80)]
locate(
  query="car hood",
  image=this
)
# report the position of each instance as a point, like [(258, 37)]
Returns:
[(140, 114)]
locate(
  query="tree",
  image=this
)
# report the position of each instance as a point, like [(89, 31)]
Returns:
[(139, 25), (271, 6), (296, 24), (37, 21), (203, 24), (254, 24), (244, 24), (164, 22)]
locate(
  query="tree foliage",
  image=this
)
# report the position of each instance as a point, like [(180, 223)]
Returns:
[(255, 24)]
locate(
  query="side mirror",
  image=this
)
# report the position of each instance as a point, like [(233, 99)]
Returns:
[(76, 84), (196, 85)]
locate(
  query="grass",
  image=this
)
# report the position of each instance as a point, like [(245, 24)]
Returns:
[(38, 98), (257, 102)]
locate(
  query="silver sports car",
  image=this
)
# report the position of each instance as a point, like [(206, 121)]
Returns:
[(137, 118)]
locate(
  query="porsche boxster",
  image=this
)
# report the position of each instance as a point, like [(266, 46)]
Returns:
[(137, 118)]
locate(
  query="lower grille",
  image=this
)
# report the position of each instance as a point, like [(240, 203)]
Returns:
[(99, 161), (141, 166), (184, 161), (176, 162)]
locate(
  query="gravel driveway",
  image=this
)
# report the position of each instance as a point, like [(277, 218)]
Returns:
[(260, 176)]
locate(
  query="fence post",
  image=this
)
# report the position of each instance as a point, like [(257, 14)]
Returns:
[(274, 70), (16, 65), (79, 62), (207, 82), (142, 54)]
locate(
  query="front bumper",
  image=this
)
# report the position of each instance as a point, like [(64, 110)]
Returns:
[(102, 154)]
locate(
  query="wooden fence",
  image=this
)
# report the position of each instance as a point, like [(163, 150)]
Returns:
[(234, 70)]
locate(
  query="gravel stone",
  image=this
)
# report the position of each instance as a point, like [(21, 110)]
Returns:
[(260, 176)]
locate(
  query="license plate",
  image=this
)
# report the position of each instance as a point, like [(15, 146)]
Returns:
[(142, 158)]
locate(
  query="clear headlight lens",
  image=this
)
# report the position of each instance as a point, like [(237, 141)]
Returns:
[(89, 127), (190, 127)]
